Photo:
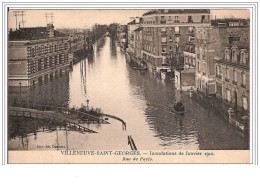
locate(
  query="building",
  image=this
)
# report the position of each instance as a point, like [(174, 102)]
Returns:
[(207, 46), (166, 32), (122, 36), (233, 69), (138, 43), (131, 26), (36, 54), (210, 44), (185, 77)]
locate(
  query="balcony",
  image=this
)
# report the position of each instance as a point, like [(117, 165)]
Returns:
[(243, 85), (234, 82), (226, 79), (177, 33), (176, 21)]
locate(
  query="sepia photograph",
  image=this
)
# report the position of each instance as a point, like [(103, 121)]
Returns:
[(122, 81)]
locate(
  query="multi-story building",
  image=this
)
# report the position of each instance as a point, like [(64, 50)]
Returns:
[(185, 77), (232, 69), (167, 32), (210, 43), (138, 42), (36, 54), (131, 26)]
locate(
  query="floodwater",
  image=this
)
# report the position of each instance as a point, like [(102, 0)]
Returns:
[(141, 99)]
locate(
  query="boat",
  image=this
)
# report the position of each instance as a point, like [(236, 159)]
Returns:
[(178, 108)]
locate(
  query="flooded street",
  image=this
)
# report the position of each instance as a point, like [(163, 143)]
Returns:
[(141, 99)]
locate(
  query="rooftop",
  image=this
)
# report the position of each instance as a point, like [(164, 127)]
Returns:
[(34, 33), (176, 11)]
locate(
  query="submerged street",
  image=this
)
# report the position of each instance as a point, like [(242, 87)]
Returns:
[(141, 99)]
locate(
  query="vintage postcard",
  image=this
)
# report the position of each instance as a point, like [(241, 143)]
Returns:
[(147, 85)]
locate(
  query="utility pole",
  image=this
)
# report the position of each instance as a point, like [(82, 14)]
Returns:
[(23, 14), (16, 14), (47, 15)]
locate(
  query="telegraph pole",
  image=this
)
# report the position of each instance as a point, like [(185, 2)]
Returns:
[(23, 14), (16, 14)]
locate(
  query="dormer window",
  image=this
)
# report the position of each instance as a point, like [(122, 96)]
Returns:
[(227, 54)]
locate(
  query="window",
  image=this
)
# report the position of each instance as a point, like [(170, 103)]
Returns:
[(198, 53), (190, 30), (203, 18), (190, 19), (36, 50), (170, 18), (50, 61), (234, 55), (32, 52), (39, 65), (227, 73), (177, 29), (45, 63), (162, 18), (163, 39), (234, 75), (242, 57), (203, 54), (228, 97), (244, 102), (198, 67), (177, 39), (163, 29), (163, 49), (243, 79), (227, 54)]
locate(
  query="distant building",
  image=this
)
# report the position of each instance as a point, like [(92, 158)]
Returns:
[(167, 32), (131, 26), (36, 54), (138, 43), (122, 36)]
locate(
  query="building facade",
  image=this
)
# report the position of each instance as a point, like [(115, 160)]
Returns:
[(138, 43), (233, 69), (131, 26), (36, 55), (210, 44), (122, 36), (167, 32), (185, 77)]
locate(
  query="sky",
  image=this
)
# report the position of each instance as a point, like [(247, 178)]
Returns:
[(87, 18)]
